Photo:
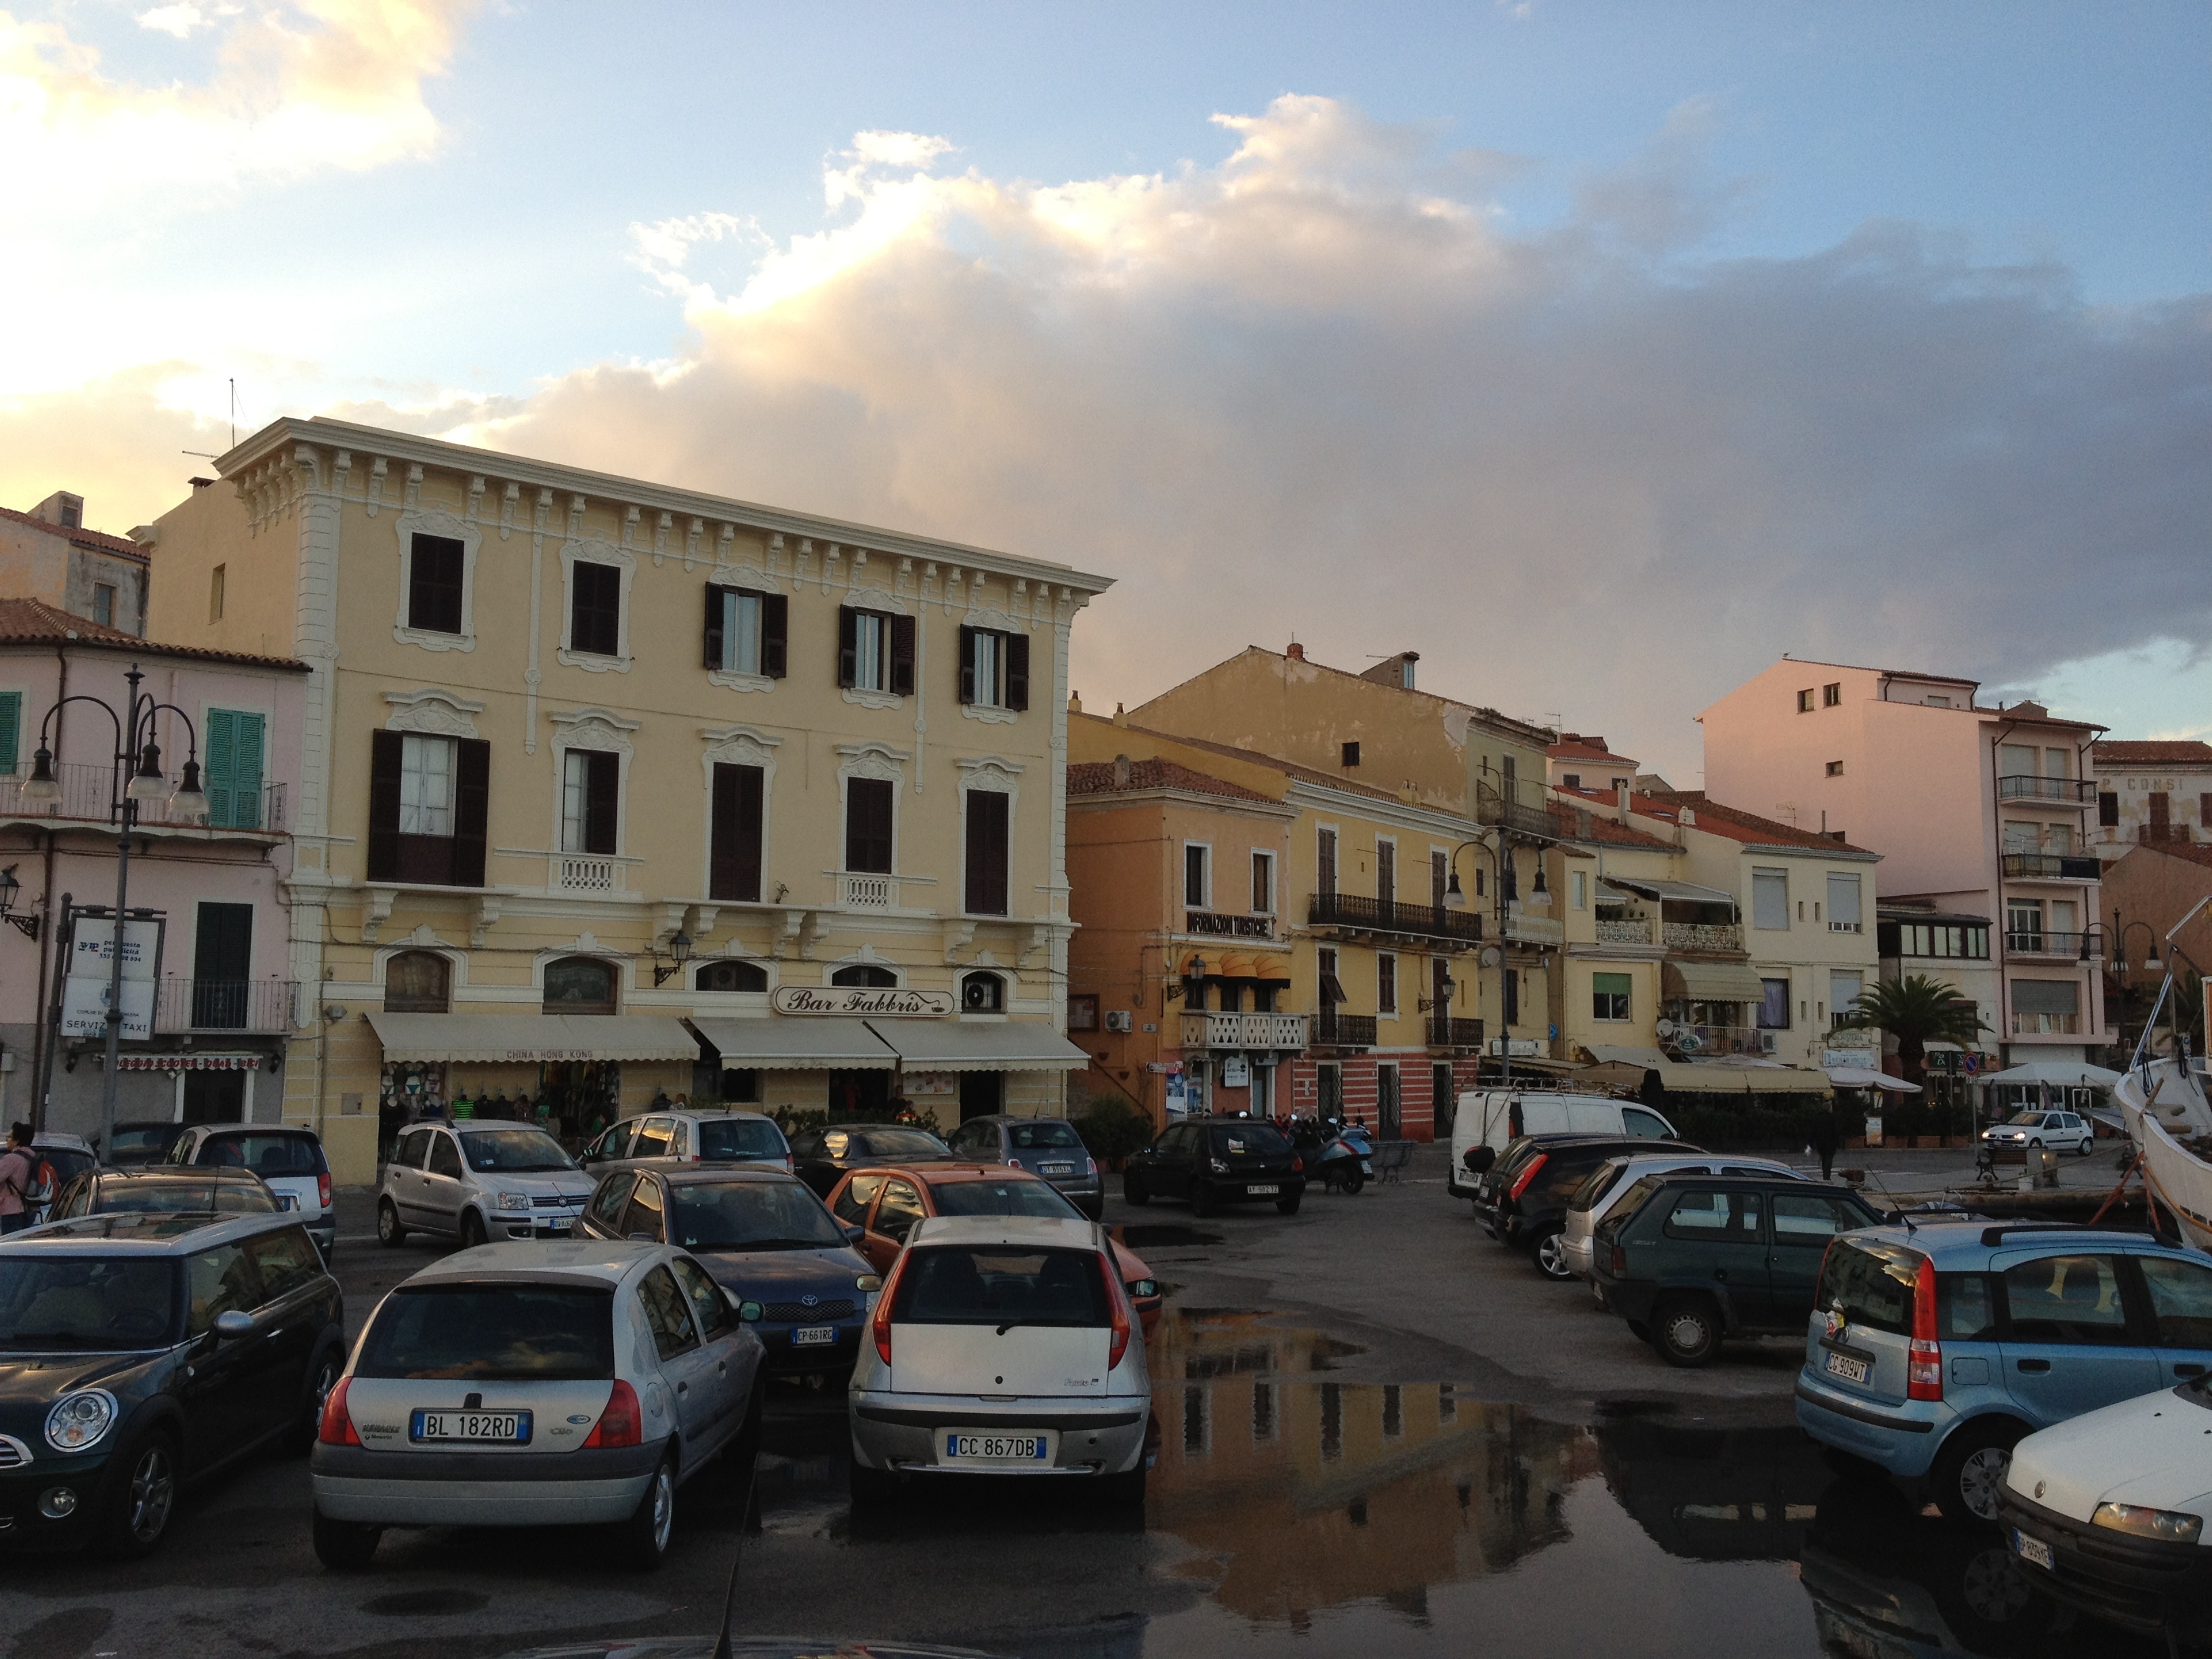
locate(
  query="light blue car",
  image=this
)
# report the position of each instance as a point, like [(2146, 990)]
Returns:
[(1933, 1350)]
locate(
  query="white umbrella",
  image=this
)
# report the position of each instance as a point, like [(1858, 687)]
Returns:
[(1862, 1077), (2073, 1072)]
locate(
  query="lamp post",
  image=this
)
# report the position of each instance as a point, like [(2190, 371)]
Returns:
[(1508, 885), (10, 889), (2120, 970), (139, 757), (679, 951)]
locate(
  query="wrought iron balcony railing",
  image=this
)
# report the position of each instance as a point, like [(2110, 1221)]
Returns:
[(1374, 916), (256, 1006), (1334, 1030), (2072, 791)]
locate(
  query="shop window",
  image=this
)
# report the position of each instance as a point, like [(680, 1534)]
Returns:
[(730, 975), (418, 982), (580, 985)]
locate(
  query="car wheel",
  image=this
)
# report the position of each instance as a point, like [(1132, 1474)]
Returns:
[(1289, 1206), (146, 1497), (472, 1230), (344, 1545), (2086, 1146), (322, 1378), (647, 1533), (1133, 1190), (1550, 1255), (2037, 1144), (389, 1232), (1687, 1331), (1970, 1471)]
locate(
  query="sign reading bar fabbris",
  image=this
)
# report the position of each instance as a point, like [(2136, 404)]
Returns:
[(851, 999)]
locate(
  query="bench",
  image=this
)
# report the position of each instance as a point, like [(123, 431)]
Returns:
[(1391, 1157)]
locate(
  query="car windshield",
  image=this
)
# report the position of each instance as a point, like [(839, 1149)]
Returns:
[(901, 1143), (752, 1215), (2027, 1120), (115, 1197), (267, 1156), (1001, 1198), (1000, 1285), (143, 1146), (86, 1302), (517, 1333), (1871, 1284), (1036, 1137), (516, 1151), (727, 1138), (1250, 1140)]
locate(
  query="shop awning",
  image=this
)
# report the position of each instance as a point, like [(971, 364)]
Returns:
[(1719, 1078), (944, 1045), (774, 1042), (495, 1038), (1710, 981), (1687, 892)]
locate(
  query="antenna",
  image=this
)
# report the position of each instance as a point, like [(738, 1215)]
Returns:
[(233, 412), (737, 1556)]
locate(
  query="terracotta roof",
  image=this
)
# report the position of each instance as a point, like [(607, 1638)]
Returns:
[(1289, 768), (79, 537), (1573, 746), (1739, 826), (1097, 778), (34, 621), (2179, 752), (1610, 831), (1886, 673), (2194, 852)]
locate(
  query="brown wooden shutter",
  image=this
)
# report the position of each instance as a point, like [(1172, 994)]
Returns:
[(2204, 810), (471, 810), (2161, 813), (901, 656), (848, 650), (967, 664), (2108, 808), (987, 853), (868, 825), (734, 854), (713, 651), (775, 630), (1326, 846), (1018, 671), (385, 749), (602, 791)]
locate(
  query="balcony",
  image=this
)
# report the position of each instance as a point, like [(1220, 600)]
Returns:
[(1351, 914), (1635, 930), (586, 872), (1701, 935), (253, 1007), (2067, 792), (1449, 1031), (1492, 809), (2049, 866), (89, 795), (1523, 929), (2048, 942), (1334, 1030), (2046, 1024), (1709, 1040), (1284, 1033)]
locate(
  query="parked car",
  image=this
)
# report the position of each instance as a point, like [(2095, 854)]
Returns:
[(766, 1238), (478, 1180), (140, 1353), (1933, 1350), (209, 1192), (1594, 1198), (1494, 1187), (1689, 1260), (1216, 1161), (1002, 1345), (2060, 1131), (1529, 1210), (512, 1386), (1046, 1146), (290, 1159), (820, 1157), (147, 1142), (886, 1205), (687, 1136), (2111, 1512), (1488, 1121)]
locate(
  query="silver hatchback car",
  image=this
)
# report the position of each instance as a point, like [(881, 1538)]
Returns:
[(678, 1135), (482, 1183)]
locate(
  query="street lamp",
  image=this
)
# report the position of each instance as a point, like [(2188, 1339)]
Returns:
[(679, 948), (9, 889)]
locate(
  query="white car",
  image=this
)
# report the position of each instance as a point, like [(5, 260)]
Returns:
[(1002, 1345), (1616, 1175), (2111, 1512), (520, 1386), (288, 1157), (1489, 1120), (480, 1180), (2060, 1131)]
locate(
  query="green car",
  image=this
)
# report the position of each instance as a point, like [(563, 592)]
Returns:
[(1690, 1260)]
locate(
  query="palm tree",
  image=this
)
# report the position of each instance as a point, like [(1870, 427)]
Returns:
[(1916, 1010)]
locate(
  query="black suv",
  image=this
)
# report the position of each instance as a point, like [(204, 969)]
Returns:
[(1225, 1161), (1525, 1199), (141, 1351)]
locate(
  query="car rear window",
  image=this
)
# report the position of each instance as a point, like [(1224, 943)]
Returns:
[(498, 1332), (1870, 1284), (175, 1197), (739, 1137), (997, 1285), (1631, 1201), (86, 1302), (1249, 1140), (900, 1143), (147, 1146), (66, 1162), (1600, 1182), (1001, 1198), (752, 1215), (1036, 1137), (266, 1155), (1562, 1178)]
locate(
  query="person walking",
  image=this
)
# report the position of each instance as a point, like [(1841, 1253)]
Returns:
[(18, 1169), (1827, 1136)]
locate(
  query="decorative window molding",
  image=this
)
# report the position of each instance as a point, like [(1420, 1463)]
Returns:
[(603, 730), (590, 550), (994, 773), (735, 745), (879, 762), (752, 580), (432, 522), (432, 711), (865, 956), (989, 715), (854, 694)]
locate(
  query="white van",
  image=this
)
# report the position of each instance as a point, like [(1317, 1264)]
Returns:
[(1492, 1117)]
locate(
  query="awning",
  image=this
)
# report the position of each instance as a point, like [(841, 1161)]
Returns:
[(1710, 981), (1719, 1078), (495, 1038), (1687, 891), (1617, 1055), (2073, 1074), (944, 1045), (1865, 1076), (774, 1042)]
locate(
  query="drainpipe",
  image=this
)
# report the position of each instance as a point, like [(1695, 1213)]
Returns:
[(1997, 921), (42, 1049)]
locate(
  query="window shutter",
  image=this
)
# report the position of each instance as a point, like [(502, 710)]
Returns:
[(385, 749), (222, 750), (471, 808), (775, 624), (735, 872), (868, 825), (987, 853), (246, 772), (1325, 861), (11, 730), (848, 651), (2108, 808), (602, 790), (2203, 802), (713, 654), (967, 664), (1018, 671), (901, 656)]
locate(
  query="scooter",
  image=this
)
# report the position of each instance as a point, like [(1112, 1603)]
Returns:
[(1345, 1159)]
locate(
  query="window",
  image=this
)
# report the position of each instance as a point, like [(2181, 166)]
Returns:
[(1805, 700), (1716, 1216), (2108, 808), (899, 1211), (287, 1262), (865, 975), (1325, 862), (1843, 913), (2054, 762), (995, 669), (1386, 869), (875, 651), (595, 609), (215, 593), (1196, 883), (219, 1281), (746, 632), (730, 975), (418, 982), (1083, 1011), (222, 964), (1386, 983), (1609, 995), (708, 1305), (852, 1205), (2066, 1299), (1844, 994), (232, 778), (434, 584), (982, 993), (1351, 754), (667, 1310), (1835, 769), (103, 604), (580, 985), (1774, 1004), (868, 825), (2045, 1007), (1831, 694), (1806, 1219), (428, 798), (445, 1158), (2021, 837), (736, 835), (988, 852), (1332, 988), (2180, 1301), (426, 786), (1770, 900), (591, 781), (1263, 884), (1579, 889), (11, 732)]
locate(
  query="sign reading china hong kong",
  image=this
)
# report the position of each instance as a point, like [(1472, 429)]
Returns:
[(851, 999)]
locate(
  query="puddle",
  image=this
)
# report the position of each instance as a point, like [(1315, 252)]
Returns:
[(1192, 1344), (416, 1603)]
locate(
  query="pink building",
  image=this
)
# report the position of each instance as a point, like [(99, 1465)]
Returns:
[(210, 998), (1982, 817)]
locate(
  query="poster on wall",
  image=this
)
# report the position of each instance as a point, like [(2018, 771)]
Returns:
[(91, 967), (1178, 1096), (1237, 1072)]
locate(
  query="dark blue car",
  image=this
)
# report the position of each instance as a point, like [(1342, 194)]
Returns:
[(766, 1238)]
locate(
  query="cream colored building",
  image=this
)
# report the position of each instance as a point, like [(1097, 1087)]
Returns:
[(609, 789)]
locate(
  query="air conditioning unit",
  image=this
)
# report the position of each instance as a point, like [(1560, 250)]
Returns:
[(1117, 1020), (1766, 1042)]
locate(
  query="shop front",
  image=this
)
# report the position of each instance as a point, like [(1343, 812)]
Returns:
[(205, 1088)]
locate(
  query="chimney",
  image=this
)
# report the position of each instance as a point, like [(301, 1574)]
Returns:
[(61, 508), (1120, 715), (1687, 817), (1396, 669), (1074, 701), (1294, 651), (1621, 803), (1120, 771)]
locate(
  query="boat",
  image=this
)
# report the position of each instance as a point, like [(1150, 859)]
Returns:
[(2162, 1100)]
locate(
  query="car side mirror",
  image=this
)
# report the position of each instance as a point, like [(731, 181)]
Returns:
[(231, 1324), (750, 1312), (641, 1238), (854, 1232)]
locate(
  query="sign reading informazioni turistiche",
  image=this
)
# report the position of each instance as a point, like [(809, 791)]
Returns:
[(851, 999)]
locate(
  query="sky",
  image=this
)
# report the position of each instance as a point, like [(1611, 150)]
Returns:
[(1600, 352)]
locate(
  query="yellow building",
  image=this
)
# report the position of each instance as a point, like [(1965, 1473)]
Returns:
[(609, 789)]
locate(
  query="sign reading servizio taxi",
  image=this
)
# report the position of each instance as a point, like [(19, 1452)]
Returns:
[(851, 999)]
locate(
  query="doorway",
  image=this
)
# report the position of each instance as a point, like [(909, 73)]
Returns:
[(214, 1097), (1386, 1103), (983, 1094), (859, 1096), (1445, 1099), (222, 965)]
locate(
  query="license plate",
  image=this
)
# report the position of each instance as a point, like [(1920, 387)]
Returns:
[(995, 1447), (484, 1428), (1055, 1169), (2033, 1549), (1851, 1371), (814, 1336), (287, 1201), (1270, 1187)]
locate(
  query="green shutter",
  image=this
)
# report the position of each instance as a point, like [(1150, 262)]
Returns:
[(245, 772), (11, 729), (215, 775)]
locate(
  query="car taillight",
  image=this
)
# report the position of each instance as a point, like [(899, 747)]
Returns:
[(620, 1424), (323, 1189), (1298, 1165), (336, 1427), (1621, 1258), (1521, 1181), (1119, 1297), (880, 1325), (1924, 1364)]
